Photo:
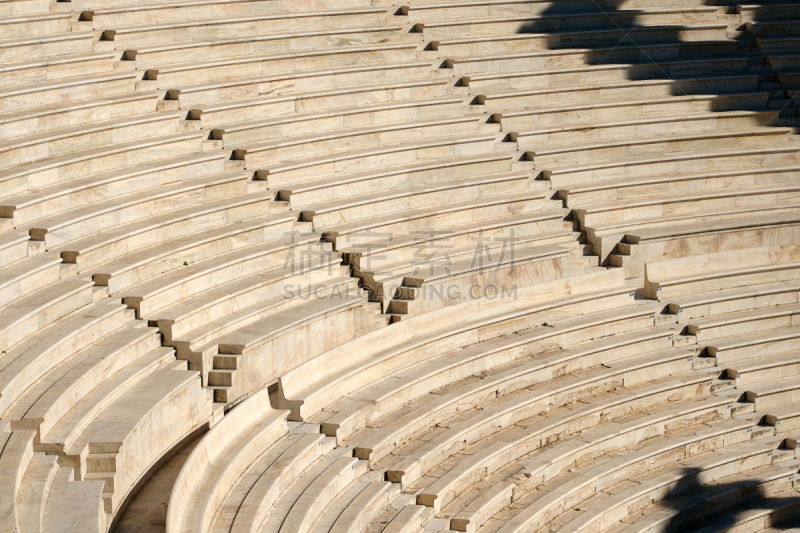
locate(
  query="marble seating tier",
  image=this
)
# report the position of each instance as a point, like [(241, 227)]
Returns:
[(328, 266)]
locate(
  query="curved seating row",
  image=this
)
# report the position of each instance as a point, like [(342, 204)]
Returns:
[(710, 442), (101, 171), (255, 179), (406, 407)]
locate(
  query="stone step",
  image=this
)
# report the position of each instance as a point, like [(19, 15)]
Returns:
[(286, 84), (572, 28), (42, 146), (227, 27), (160, 55)]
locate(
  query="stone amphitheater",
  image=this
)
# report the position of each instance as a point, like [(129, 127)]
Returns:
[(342, 266)]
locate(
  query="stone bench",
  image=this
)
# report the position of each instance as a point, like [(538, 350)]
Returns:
[(625, 188), (333, 474), (281, 176), (406, 198), (166, 12), (743, 322), (288, 5), (348, 368), (607, 227), (148, 263), (311, 192), (778, 44), (769, 368), (517, 79), (274, 473), (514, 105), (711, 272), (27, 276), (744, 139), (606, 473), (262, 275), (17, 98), (778, 393), (486, 55), (217, 70), (421, 10), (361, 245), (548, 117), (767, 11), (552, 462), (705, 500), (677, 415), (733, 300), (16, 458), (236, 134), (574, 28), (58, 170), (789, 80), (363, 507), (42, 146), (51, 69), (75, 504), (60, 116), (15, 246), (594, 39), (26, 7), (418, 291), (395, 265), (482, 508), (782, 508), (510, 408), (410, 519), (69, 373), (329, 484), (271, 107), (452, 214), (783, 62), (40, 309), (365, 406), (784, 418), (783, 28), (32, 25), (145, 34), (219, 460), (96, 248), (106, 441), (245, 357), (90, 221), (748, 346), (324, 144), (393, 270), (603, 175), (671, 241), (203, 94), (656, 128), (35, 488), (156, 56), (543, 371), (28, 207), (258, 272), (64, 437), (38, 47), (565, 453)]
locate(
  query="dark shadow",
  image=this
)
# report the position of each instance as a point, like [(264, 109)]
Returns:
[(695, 504), (759, 62)]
